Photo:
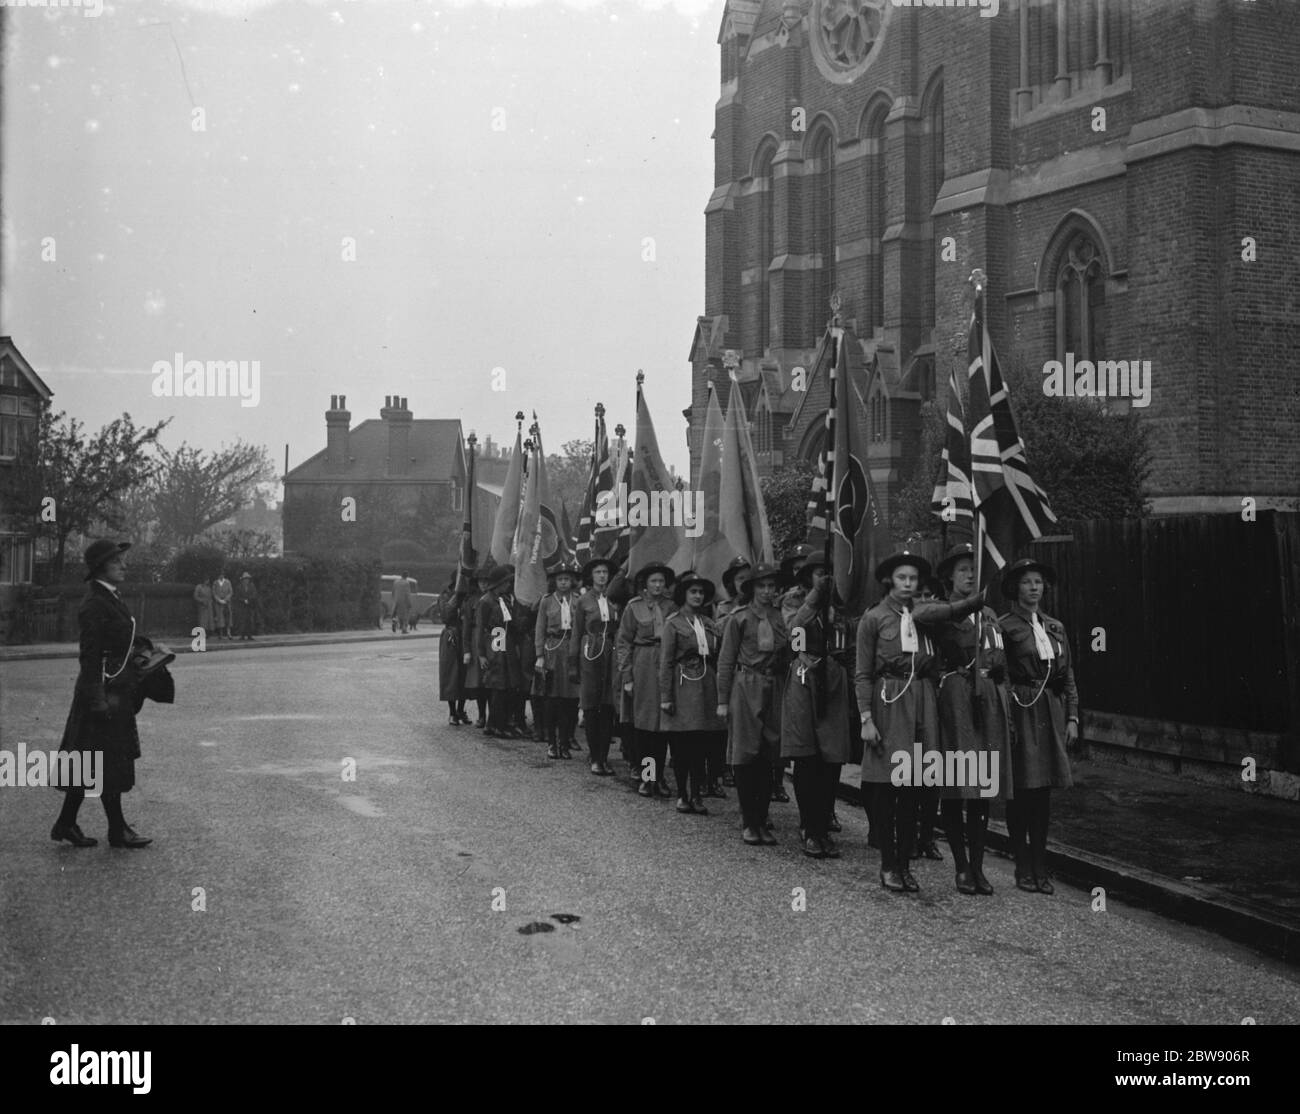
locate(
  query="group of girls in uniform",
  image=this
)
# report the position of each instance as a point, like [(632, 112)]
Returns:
[(731, 693)]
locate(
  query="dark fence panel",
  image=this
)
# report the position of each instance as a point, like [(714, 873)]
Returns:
[(1193, 612)]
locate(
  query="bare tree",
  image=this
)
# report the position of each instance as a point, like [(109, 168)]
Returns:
[(194, 489)]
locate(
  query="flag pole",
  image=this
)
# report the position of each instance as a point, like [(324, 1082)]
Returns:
[(837, 339), (977, 277)]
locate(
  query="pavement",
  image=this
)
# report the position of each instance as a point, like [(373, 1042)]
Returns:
[(1222, 860), (326, 847)]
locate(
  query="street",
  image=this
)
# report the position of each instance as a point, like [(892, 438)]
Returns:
[(372, 899)]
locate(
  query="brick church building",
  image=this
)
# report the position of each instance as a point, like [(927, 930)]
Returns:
[(1126, 172)]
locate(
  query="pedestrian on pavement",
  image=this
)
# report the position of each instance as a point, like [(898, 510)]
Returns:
[(203, 605), (814, 713), (246, 607), (497, 656), (751, 680), (222, 594), (688, 687), (639, 634), (896, 678), (451, 669), (401, 603), (963, 684), (552, 640), (101, 723), (1044, 717), (592, 662), (473, 681)]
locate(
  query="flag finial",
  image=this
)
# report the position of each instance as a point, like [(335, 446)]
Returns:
[(837, 303), (620, 429), (600, 409), (640, 377), (519, 416)]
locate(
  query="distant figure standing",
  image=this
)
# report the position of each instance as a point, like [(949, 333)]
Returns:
[(222, 593), (246, 607), (401, 602), (203, 602)]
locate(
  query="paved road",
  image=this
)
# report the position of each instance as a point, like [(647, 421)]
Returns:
[(372, 899)]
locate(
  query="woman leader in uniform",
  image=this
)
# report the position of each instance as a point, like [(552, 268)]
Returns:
[(895, 681), (592, 662), (451, 669), (814, 714), (553, 637), (688, 689), (104, 703), (750, 686), (1044, 717), (962, 681), (639, 635), (473, 680)]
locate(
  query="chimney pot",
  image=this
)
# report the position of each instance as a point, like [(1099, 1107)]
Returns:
[(334, 402), (343, 402), (388, 402), (404, 406)]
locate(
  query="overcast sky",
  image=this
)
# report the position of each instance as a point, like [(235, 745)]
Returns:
[(499, 166)]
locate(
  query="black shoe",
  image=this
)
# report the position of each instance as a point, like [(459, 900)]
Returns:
[(492, 733), (598, 769), (779, 794), (644, 790), (892, 881), (769, 840), (966, 882), (73, 834), (609, 770), (128, 837), (910, 884), (664, 789), (698, 805), (454, 721), (813, 848), (982, 884), (683, 805), (564, 751), (830, 847), (715, 790), (751, 836), (931, 851), (728, 780), (834, 824), (552, 751), (480, 723), (1045, 887), (1027, 882)]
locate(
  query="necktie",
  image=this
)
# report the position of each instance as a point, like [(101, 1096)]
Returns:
[(1045, 650), (657, 617), (766, 636), (566, 616), (505, 611), (907, 633), (701, 642), (603, 604)]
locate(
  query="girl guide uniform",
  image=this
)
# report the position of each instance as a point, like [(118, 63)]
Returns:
[(1044, 709), (639, 634), (814, 715), (897, 670), (751, 681), (981, 744), (592, 665), (553, 638)]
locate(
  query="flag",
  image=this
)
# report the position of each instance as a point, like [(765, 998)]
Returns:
[(567, 553), (600, 479), (859, 535), (465, 571), (743, 518), (537, 540), (711, 551), (952, 495), (653, 502), (1013, 509), (507, 519)]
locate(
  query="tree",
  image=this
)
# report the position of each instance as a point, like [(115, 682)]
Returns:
[(785, 497), (86, 478), (239, 545), (567, 474), (194, 490), (912, 516)]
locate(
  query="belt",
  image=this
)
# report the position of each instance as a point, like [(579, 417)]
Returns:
[(762, 671)]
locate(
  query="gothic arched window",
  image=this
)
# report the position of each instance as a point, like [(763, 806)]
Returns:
[(1080, 300), (766, 244)]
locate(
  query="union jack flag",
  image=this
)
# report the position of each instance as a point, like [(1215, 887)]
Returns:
[(952, 495)]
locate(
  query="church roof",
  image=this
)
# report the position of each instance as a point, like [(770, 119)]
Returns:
[(742, 14), (436, 449)]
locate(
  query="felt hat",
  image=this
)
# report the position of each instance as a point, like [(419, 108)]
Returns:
[(733, 570), (1011, 578), (246, 576), (963, 549), (643, 574), (791, 561), (693, 580), (747, 578), (591, 565), (886, 568), (99, 553), (565, 568), (803, 574)]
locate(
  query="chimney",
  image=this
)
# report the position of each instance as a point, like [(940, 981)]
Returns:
[(398, 420), (337, 421)]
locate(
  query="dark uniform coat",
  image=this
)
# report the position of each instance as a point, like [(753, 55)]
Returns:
[(107, 631), (688, 680), (1043, 697), (811, 726), (246, 606), (592, 657), (751, 680), (203, 599), (472, 681), (451, 667), (639, 634), (955, 641), (898, 686), (552, 641), (498, 642)]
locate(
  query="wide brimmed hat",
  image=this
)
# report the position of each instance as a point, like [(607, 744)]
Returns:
[(693, 580), (591, 565), (950, 559), (99, 553), (568, 568), (1011, 578), (886, 568), (643, 574), (803, 574), (245, 576), (733, 570), (791, 561), (747, 578), (483, 572), (500, 575)]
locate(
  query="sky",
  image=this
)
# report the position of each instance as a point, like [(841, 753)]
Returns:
[(428, 199)]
